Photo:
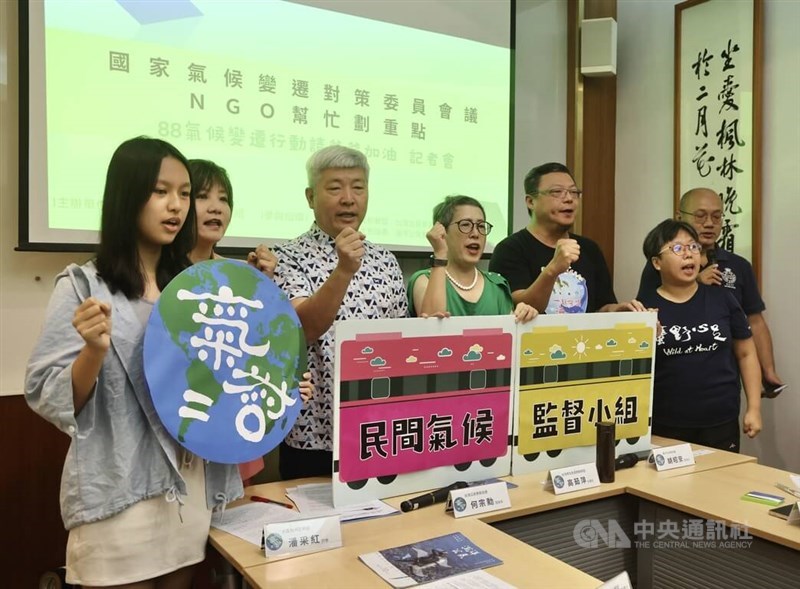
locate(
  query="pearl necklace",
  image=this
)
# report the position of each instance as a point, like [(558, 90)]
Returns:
[(457, 284)]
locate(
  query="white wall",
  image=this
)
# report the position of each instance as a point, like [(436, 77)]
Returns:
[(541, 92), (26, 279), (644, 182)]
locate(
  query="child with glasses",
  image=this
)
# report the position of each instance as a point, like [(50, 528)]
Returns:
[(454, 285), (703, 347), (703, 209)]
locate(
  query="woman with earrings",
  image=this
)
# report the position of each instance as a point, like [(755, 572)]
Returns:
[(137, 506), (454, 285), (704, 345)]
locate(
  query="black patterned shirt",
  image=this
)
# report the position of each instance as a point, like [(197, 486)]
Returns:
[(376, 291)]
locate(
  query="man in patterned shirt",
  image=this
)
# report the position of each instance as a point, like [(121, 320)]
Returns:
[(331, 273)]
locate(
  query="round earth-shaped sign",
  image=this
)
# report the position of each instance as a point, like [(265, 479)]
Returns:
[(223, 356)]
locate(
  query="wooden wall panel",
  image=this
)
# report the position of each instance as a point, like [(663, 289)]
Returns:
[(30, 474), (599, 160), (591, 132)]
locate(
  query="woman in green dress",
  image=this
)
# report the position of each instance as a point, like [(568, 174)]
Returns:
[(454, 285)]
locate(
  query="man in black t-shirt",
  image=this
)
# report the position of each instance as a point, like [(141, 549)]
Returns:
[(548, 267)]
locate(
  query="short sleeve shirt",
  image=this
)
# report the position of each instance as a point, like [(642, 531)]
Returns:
[(585, 287), (376, 291), (696, 381)]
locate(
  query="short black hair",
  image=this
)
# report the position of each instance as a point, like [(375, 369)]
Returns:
[(444, 211), (662, 234), (533, 177), (130, 181), (205, 174)]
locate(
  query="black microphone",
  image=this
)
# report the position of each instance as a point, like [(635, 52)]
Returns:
[(626, 461), (437, 496), (711, 257)]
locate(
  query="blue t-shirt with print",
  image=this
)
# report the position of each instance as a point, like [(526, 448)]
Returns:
[(696, 373)]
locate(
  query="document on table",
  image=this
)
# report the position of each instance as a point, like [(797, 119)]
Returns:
[(316, 500), (696, 453), (473, 580), (247, 521), (702, 452)]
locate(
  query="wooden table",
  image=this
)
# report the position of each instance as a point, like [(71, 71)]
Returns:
[(524, 565), (717, 495), (739, 546)]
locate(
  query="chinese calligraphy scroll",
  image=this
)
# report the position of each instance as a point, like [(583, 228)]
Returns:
[(717, 113)]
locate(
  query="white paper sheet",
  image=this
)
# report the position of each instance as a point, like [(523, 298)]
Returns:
[(316, 500), (473, 580), (247, 521)]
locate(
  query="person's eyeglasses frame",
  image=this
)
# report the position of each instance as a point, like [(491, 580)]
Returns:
[(679, 248), (703, 217), (561, 193), (487, 227)]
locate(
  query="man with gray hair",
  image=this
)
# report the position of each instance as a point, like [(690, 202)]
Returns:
[(331, 273)]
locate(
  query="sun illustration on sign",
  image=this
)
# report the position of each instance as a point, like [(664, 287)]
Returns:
[(581, 346)]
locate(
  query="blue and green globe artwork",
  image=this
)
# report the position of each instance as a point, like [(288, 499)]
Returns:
[(223, 356)]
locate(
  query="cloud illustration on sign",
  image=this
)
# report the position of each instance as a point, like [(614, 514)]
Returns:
[(444, 353), (411, 359), (471, 356), (557, 355), (377, 362), (644, 345), (501, 357), (632, 340), (611, 343), (598, 347), (528, 352), (367, 350), (476, 348)]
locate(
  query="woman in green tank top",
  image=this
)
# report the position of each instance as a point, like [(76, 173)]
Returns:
[(454, 285)]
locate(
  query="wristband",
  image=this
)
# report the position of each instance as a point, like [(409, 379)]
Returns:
[(437, 262)]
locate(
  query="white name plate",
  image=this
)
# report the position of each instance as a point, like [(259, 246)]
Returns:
[(621, 581), (480, 499), (671, 457), (794, 515), (573, 478), (302, 536)]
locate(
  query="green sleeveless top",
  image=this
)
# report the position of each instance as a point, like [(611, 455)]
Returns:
[(495, 298)]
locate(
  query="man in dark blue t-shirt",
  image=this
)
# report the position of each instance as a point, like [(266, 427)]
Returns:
[(702, 208)]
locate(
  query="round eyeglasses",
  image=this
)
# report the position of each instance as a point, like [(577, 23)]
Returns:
[(681, 248), (466, 225)]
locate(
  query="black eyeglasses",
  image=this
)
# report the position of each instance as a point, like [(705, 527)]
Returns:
[(465, 226), (561, 193)]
